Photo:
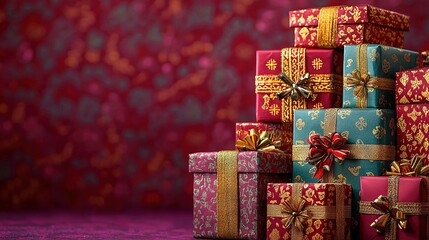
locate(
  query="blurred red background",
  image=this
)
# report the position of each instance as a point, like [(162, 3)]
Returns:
[(102, 101)]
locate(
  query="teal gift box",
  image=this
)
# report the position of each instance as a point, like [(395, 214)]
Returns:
[(370, 73), (370, 135)]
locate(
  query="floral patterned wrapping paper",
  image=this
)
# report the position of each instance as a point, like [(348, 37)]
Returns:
[(412, 110), (317, 194), (408, 190), (371, 127), (352, 25), (278, 131), (256, 169), (381, 63), (324, 66)]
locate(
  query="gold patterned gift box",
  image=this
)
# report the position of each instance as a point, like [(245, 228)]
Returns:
[(412, 110), (312, 78), (370, 73), (336, 26), (308, 211)]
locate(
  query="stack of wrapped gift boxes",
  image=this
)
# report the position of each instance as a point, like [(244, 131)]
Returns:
[(325, 112)]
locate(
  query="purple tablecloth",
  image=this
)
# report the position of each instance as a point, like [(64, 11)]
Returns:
[(70, 225)]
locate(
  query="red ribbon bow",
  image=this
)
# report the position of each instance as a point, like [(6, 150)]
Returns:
[(323, 150)]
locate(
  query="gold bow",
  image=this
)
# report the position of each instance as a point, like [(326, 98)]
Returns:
[(258, 142), (390, 213), (294, 88), (361, 82), (425, 56), (296, 215), (405, 167)]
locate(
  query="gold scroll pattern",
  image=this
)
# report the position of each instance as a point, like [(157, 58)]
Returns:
[(413, 131)]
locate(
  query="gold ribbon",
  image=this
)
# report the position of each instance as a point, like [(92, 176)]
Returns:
[(405, 167), (294, 89), (362, 81), (227, 197), (295, 213), (258, 142), (327, 27), (357, 151), (406, 208)]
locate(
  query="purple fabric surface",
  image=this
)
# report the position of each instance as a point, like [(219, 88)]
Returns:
[(69, 225)]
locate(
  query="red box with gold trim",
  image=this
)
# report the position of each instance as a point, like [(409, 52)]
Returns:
[(412, 110), (325, 81), (334, 27)]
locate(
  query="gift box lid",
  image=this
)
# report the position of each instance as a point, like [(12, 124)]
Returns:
[(352, 15), (248, 162), (412, 86)]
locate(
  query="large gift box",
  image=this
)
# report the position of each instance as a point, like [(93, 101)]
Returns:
[(370, 140), (230, 191), (370, 73), (394, 208), (281, 132), (333, 27), (308, 211), (321, 88), (412, 110)]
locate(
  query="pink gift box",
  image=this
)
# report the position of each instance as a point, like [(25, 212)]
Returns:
[(410, 190), (255, 170)]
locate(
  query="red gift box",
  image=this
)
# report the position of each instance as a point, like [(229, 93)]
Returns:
[(325, 81), (325, 213), (334, 27), (406, 194), (233, 187), (278, 131), (412, 110)]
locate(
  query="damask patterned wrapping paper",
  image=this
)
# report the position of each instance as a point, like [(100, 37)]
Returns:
[(378, 64), (324, 66), (316, 196), (278, 131), (342, 25), (374, 128), (412, 110), (255, 170), (409, 190)]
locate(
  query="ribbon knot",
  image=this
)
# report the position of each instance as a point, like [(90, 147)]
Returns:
[(390, 213), (296, 214), (405, 167), (294, 89), (362, 82), (323, 150), (253, 141)]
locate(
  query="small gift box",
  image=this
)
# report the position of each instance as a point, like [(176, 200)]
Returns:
[(342, 144), (394, 207), (296, 78), (335, 26), (281, 132), (412, 110), (308, 211), (230, 191), (370, 72)]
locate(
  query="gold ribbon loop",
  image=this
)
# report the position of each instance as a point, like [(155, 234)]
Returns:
[(405, 167), (258, 142), (327, 27), (294, 89)]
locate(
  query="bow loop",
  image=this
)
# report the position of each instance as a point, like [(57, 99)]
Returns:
[(296, 214), (362, 82), (323, 150), (389, 213), (255, 141), (406, 167), (294, 89)]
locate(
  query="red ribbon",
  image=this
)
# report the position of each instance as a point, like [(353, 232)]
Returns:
[(323, 150)]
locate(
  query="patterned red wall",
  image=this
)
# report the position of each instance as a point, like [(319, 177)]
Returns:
[(102, 101)]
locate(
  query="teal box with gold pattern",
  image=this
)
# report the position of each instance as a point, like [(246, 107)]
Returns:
[(370, 73), (370, 135)]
